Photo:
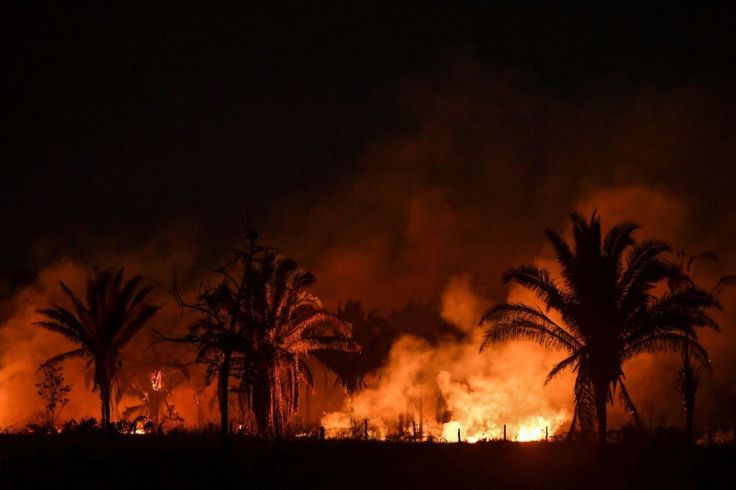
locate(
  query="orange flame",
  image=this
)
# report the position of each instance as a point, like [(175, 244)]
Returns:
[(432, 392), (157, 380)]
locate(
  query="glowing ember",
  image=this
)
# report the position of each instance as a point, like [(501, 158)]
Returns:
[(157, 380)]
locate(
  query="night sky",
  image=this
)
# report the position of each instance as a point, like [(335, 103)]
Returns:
[(123, 118)]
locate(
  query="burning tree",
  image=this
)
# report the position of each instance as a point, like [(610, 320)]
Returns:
[(255, 324), (53, 391), (114, 312), (153, 390), (283, 323), (606, 311)]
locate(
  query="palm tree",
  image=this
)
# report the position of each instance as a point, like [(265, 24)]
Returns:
[(608, 313), (283, 323), (114, 312), (153, 390), (694, 362), (373, 333)]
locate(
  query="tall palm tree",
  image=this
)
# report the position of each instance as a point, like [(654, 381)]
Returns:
[(694, 362), (283, 323), (607, 310), (113, 313)]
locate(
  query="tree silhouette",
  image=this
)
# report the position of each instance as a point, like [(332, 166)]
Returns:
[(373, 333), (607, 312), (255, 325), (153, 389), (54, 393), (425, 321), (114, 312), (283, 323), (695, 362), (218, 329)]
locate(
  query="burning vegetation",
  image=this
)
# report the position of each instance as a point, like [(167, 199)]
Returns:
[(246, 343)]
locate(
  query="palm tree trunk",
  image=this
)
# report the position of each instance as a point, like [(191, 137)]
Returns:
[(601, 393), (105, 405), (262, 401), (223, 391), (277, 407), (688, 399), (688, 387)]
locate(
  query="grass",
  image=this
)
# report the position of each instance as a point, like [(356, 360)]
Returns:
[(185, 460)]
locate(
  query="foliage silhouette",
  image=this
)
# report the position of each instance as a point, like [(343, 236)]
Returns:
[(153, 389), (284, 323), (607, 313), (255, 325), (54, 393), (373, 333), (217, 330), (425, 321), (113, 313), (695, 362)]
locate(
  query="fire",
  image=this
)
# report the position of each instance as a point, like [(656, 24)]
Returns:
[(530, 433), (157, 380), (429, 392), (537, 429)]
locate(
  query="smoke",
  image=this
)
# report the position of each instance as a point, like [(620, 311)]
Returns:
[(451, 387), (24, 347), (483, 163)]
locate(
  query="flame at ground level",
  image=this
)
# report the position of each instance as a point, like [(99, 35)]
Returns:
[(429, 391), (534, 429), (341, 425)]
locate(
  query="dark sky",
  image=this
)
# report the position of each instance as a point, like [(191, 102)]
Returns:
[(125, 118)]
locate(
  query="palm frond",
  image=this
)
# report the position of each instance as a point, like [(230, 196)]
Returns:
[(523, 330), (572, 361), (79, 308), (617, 240), (67, 330), (72, 354), (523, 315), (134, 325), (311, 344), (643, 253), (306, 373), (318, 322), (625, 399), (661, 342), (539, 281), (723, 283), (562, 249)]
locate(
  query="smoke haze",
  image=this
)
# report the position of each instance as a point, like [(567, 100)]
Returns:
[(484, 161)]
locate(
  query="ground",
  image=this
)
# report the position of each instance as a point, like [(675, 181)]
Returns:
[(204, 461)]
